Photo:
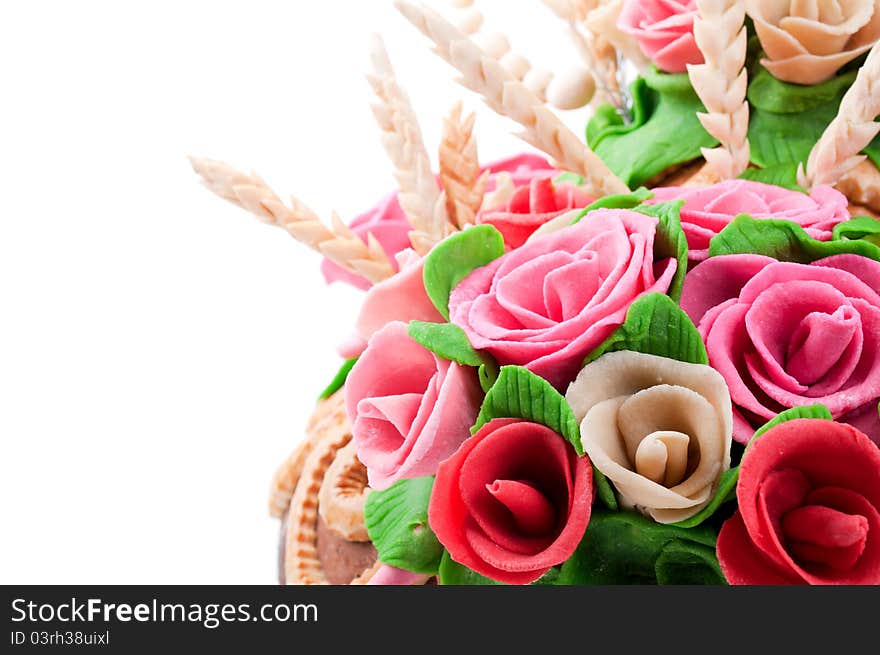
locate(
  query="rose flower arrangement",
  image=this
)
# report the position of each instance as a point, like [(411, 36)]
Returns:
[(557, 380)]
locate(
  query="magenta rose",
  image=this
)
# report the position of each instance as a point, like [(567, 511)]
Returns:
[(785, 334), (387, 222), (409, 410), (664, 30), (530, 207), (708, 210), (513, 501), (547, 304)]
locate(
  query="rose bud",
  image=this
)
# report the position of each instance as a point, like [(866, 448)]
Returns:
[(808, 495), (513, 501)]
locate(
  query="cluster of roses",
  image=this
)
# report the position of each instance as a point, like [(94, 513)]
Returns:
[(676, 385), (803, 42)]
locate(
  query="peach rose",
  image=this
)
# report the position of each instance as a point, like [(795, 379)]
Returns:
[(807, 41)]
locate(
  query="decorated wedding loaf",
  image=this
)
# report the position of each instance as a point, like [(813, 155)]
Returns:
[(648, 353)]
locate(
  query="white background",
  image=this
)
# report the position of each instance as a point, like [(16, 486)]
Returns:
[(160, 351)]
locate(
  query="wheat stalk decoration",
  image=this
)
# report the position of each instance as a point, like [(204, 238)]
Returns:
[(460, 168), (836, 152), (419, 196), (507, 96), (721, 83), (338, 243)]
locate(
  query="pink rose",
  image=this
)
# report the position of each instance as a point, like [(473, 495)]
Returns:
[(409, 409), (547, 304), (708, 210), (387, 222), (530, 207), (785, 334), (664, 30), (402, 297)]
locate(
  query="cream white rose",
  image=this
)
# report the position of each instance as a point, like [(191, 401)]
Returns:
[(658, 429), (807, 41)]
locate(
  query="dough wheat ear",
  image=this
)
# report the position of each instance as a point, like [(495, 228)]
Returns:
[(509, 97), (721, 83), (338, 243), (836, 152), (402, 138), (460, 168)]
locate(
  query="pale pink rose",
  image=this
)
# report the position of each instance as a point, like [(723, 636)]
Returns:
[(664, 30), (708, 210), (530, 207), (387, 222), (547, 304), (784, 335), (402, 297), (409, 409)]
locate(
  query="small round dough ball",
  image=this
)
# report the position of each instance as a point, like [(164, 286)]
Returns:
[(572, 89)]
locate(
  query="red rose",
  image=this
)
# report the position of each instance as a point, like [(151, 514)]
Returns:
[(513, 501), (808, 493), (530, 207)]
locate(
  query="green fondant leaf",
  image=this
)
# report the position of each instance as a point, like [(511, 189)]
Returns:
[(604, 490), (618, 201), (664, 130), (453, 259), (859, 227), (453, 573), (625, 548), (768, 93), (397, 522), (688, 563), (519, 393), (656, 325), (448, 341), (784, 175), (810, 411), (787, 120), (670, 240), (488, 374), (726, 491), (339, 380), (782, 240)]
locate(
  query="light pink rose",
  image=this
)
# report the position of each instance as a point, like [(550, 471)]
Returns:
[(402, 297), (785, 334), (530, 207), (387, 222), (664, 30), (409, 409), (708, 210), (547, 304)]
